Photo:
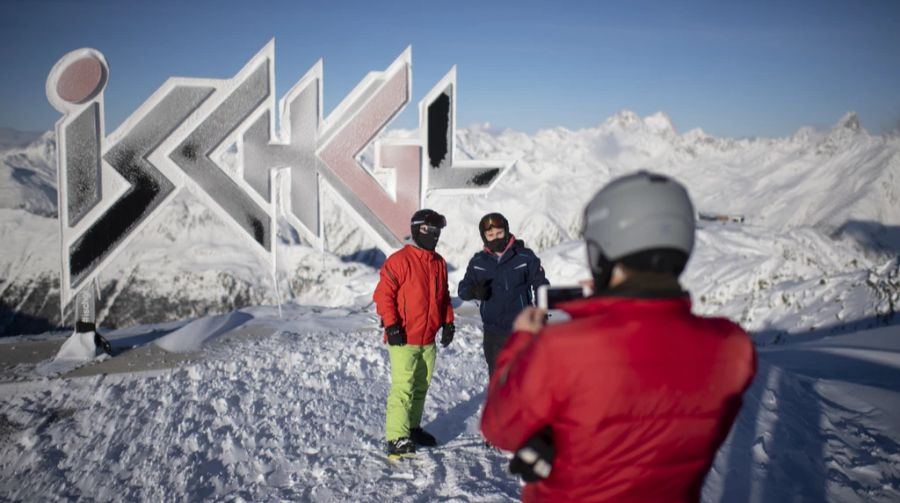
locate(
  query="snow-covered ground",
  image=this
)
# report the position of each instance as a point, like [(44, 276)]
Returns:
[(263, 406), (292, 408)]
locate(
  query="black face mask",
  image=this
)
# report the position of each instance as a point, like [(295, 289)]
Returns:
[(497, 245), (426, 241)]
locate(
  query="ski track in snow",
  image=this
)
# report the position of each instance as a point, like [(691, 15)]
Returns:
[(817, 426)]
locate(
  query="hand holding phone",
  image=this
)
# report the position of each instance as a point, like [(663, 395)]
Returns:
[(530, 320), (548, 298)]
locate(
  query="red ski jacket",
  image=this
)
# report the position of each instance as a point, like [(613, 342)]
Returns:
[(413, 291), (639, 394)]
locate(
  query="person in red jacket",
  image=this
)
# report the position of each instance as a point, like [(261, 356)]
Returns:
[(631, 398), (413, 300)]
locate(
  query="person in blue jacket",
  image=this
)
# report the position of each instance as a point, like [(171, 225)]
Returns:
[(504, 278)]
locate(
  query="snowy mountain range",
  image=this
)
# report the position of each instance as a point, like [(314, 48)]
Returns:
[(820, 214)]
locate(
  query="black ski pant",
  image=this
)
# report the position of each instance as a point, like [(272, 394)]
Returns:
[(493, 343)]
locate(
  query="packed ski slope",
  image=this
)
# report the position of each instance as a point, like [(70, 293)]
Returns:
[(289, 406)]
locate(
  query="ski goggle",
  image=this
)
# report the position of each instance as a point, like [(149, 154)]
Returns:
[(430, 229), (492, 221), (432, 220)]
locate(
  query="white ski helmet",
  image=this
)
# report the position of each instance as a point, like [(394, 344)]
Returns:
[(643, 220)]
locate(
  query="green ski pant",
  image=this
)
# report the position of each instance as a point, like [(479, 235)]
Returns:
[(411, 368)]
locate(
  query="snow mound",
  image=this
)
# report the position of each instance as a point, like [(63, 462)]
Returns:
[(192, 336)]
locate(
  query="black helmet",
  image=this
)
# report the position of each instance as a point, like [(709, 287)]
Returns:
[(432, 222), (490, 221), (644, 220)]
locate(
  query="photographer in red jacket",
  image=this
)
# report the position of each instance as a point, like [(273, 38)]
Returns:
[(631, 398)]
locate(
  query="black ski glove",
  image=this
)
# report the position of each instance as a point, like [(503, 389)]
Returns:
[(447, 332), (481, 290), (534, 460), (396, 336)]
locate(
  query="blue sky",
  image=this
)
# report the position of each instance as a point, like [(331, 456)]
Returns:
[(734, 68)]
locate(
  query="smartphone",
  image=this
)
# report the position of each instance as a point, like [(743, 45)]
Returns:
[(548, 297)]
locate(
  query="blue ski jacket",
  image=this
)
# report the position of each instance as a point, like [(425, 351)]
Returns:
[(513, 279)]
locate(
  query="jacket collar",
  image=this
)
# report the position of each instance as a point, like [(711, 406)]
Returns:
[(416, 249), (645, 290), (593, 306)]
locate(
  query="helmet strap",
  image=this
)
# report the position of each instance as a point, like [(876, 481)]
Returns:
[(602, 274), (601, 267)]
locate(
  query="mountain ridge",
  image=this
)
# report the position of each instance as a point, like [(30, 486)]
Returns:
[(839, 184)]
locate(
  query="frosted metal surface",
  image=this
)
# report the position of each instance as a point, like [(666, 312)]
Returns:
[(82, 79), (192, 156), (82, 137), (440, 151), (389, 218), (260, 156), (148, 186)]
